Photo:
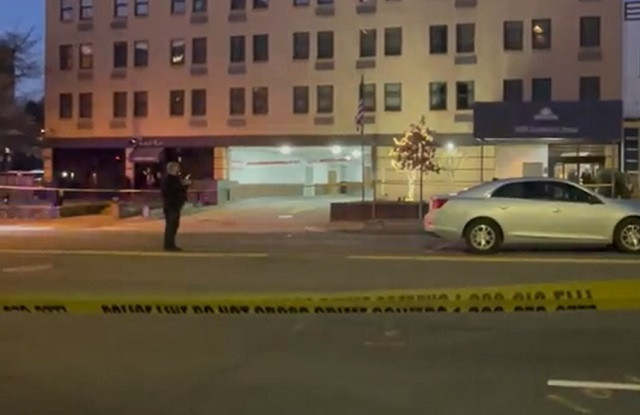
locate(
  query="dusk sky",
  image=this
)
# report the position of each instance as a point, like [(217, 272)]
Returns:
[(22, 15)]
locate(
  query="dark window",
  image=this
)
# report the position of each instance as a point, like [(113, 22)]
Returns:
[(199, 51), (393, 41), (119, 105), (176, 103), (590, 32), (541, 90), (325, 99), (120, 8), (85, 103), (260, 48), (86, 9), (120, 53), (438, 39), (465, 95), (178, 51), (466, 38), (178, 6), (544, 191), (301, 45), (198, 102), (325, 45), (368, 43), (66, 106), (142, 7), (564, 192), (513, 35), (86, 56), (541, 34), (237, 45), (325, 2), (140, 104), (512, 90), (261, 100), (510, 191), (438, 96), (66, 10), (260, 4), (236, 101), (66, 57), (300, 99), (393, 97), (141, 54), (238, 4), (199, 6), (590, 88), (300, 2), (369, 97)]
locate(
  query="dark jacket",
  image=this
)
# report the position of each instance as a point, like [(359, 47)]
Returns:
[(174, 193)]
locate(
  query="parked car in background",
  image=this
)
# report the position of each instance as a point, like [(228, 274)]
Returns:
[(534, 211)]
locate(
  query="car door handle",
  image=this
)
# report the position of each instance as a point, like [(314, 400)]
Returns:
[(504, 207), (556, 210)]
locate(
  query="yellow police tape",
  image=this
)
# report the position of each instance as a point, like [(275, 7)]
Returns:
[(597, 295)]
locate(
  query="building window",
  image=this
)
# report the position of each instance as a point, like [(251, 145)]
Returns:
[(236, 101), (141, 54), (297, 3), (325, 2), (198, 102), (120, 52), (393, 41), (393, 97), (541, 90), (300, 99), (178, 6), (590, 88), (178, 51), (438, 39), (66, 10), (237, 49), (238, 4), (85, 102), (260, 48), (65, 53), (590, 32), (199, 51), (437, 96), (260, 4), (512, 90), (513, 35), (369, 95), (324, 96), (466, 38), (140, 104), (200, 6), (120, 8), (119, 105), (464, 95), (260, 100), (301, 45), (86, 56), (66, 106), (325, 45), (142, 8), (368, 43), (86, 9), (541, 34), (176, 103)]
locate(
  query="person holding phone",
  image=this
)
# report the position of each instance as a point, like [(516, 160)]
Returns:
[(174, 196)]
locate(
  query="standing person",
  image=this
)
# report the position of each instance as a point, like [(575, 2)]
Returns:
[(174, 196)]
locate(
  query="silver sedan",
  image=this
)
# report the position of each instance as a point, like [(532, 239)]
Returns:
[(534, 211)]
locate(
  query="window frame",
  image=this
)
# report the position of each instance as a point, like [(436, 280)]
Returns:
[(199, 51), (140, 105), (257, 97), (118, 7), (515, 44), (86, 10), (119, 105), (546, 45), (177, 104), (435, 32), (368, 43), (299, 39), (464, 45), (303, 108), (237, 108), (138, 62), (325, 99), (120, 56), (65, 106), (174, 45), (387, 96), (261, 54), (442, 93), (470, 95), (392, 34), (86, 61), (66, 10), (85, 105), (325, 51), (65, 57), (198, 102), (141, 8), (588, 39)]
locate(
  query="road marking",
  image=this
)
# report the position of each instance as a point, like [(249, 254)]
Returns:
[(495, 259), (598, 393), (594, 385), (569, 404), (23, 228), (27, 268), (141, 254)]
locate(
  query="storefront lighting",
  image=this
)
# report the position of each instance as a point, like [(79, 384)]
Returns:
[(336, 150), (450, 146), (356, 154), (286, 150), (64, 174)]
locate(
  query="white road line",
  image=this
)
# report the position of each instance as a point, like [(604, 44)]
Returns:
[(594, 385), (27, 268), (567, 403), (143, 254), (494, 259)]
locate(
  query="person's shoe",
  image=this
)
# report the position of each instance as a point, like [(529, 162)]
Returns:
[(172, 249)]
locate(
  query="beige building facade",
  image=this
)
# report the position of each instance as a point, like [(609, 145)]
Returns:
[(200, 79)]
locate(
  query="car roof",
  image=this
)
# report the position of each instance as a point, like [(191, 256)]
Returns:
[(487, 188)]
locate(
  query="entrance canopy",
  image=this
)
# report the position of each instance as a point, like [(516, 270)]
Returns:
[(592, 121), (146, 155)]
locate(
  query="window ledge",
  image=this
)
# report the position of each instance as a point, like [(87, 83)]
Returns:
[(324, 120), (85, 26), (199, 18), (85, 124), (466, 59), (325, 10), (590, 54), (466, 3), (366, 63), (118, 123), (466, 116), (198, 122), (119, 23), (325, 65), (369, 119), (237, 16), (119, 73), (237, 68), (199, 70), (85, 74), (367, 7), (237, 122)]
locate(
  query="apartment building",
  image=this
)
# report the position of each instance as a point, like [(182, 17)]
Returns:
[(264, 93), (631, 85)]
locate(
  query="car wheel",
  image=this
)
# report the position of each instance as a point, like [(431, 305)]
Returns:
[(483, 236), (627, 236)]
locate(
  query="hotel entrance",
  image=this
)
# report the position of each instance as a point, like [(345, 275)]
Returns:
[(577, 163)]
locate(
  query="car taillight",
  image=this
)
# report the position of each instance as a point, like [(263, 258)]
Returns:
[(437, 203)]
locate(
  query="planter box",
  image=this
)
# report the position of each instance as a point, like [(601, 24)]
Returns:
[(359, 211)]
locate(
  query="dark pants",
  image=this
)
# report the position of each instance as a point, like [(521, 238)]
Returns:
[(172, 223)]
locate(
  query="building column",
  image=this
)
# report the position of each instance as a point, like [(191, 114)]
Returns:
[(129, 167), (47, 161), (221, 163)]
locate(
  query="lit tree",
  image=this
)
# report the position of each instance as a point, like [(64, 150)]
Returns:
[(415, 154)]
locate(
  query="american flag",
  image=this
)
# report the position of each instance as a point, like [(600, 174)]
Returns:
[(360, 112)]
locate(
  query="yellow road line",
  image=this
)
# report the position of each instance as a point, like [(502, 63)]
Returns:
[(494, 259), (141, 254)]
